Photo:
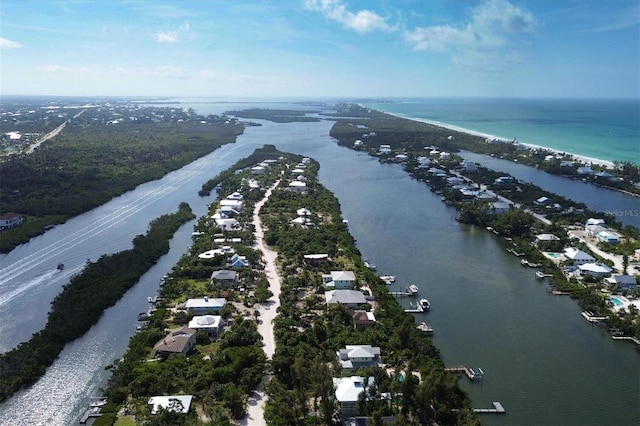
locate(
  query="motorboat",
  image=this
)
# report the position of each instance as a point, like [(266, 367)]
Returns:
[(424, 304), (426, 328), (412, 290), (539, 275), (60, 266), (388, 278)]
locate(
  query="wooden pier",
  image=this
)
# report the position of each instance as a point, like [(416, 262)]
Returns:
[(91, 412), (399, 293), (469, 372), (591, 318)]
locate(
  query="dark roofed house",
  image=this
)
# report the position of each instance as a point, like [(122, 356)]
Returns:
[(224, 277), (362, 319), (179, 341)]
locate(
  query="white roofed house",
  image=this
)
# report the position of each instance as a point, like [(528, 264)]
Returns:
[(353, 357), (339, 280), (234, 204), (298, 186), (598, 270), (205, 305), (608, 236), (348, 390), (174, 403), (209, 324), (499, 207), (384, 149), (578, 257), (545, 238)]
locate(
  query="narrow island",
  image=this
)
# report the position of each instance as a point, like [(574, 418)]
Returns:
[(257, 322)]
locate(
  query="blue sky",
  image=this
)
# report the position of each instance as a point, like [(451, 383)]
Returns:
[(321, 48)]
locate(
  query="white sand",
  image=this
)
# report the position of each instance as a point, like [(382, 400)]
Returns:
[(268, 311), (575, 157)]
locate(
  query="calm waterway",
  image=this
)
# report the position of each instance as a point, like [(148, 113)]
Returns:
[(541, 359)]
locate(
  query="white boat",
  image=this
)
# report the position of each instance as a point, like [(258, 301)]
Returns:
[(424, 304), (412, 290), (425, 327), (388, 278), (98, 402), (370, 266), (539, 274)]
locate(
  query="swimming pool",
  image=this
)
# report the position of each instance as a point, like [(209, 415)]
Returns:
[(553, 255), (617, 302)]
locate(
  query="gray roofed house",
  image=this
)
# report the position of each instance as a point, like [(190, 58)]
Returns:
[(626, 282), (351, 298), (224, 276)]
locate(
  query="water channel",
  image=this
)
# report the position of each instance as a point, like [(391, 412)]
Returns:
[(541, 359)]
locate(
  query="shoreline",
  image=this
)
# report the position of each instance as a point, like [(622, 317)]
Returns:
[(576, 157)]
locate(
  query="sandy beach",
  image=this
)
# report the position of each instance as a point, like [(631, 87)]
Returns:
[(576, 157), (268, 311)]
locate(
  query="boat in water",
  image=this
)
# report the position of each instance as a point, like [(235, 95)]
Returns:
[(424, 304), (60, 266), (412, 290), (388, 278), (370, 266), (426, 328)]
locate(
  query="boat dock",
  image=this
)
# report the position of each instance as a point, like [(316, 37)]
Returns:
[(592, 318), (497, 409), (417, 310), (91, 412), (400, 293), (469, 372)]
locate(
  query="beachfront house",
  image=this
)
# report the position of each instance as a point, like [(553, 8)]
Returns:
[(504, 180), (625, 282), (585, 171), (339, 280), (384, 149), (179, 341), (354, 357), (349, 298), (577, 256)]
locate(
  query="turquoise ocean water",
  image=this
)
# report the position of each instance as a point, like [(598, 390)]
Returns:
[(605, 129)]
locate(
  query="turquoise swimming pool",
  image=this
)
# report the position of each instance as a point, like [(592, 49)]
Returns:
[(617, 302)]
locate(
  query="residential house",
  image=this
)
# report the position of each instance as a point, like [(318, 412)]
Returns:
[(303, 212), (179, 341), (597, 270), (174, 403), (400, 158), (595, 221), (354, 357), (205, 305), (348, 390), (315, 258), (468, 166), (585, 170), (236, 205), (209, 324), (350, 298), (384, 149), (237, 262), (224, 277), (608, 236), (362, 319), (545, 238), (298, 186), (543, 201), (504, 180), (228, 224), (339, 280), (499, 207), (625, 282), (10, 220), (577, 256), (235, 196)]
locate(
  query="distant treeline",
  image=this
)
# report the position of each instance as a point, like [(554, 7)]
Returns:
[(83, 301), (88, 164)]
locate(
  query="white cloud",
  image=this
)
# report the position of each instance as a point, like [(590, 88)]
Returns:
[(362, 22), (167, 37), (9, 44), (491, 24)]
